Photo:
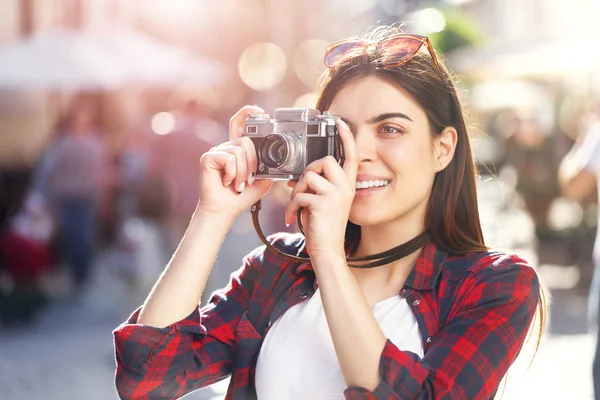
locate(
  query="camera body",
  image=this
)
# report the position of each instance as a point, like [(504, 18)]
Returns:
[(291, 140)]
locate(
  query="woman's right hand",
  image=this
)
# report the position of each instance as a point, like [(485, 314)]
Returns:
[(227, 172)]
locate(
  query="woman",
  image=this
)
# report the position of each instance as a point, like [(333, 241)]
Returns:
[(444, 322)]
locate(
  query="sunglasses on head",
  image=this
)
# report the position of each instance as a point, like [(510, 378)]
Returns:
[(394, 51)]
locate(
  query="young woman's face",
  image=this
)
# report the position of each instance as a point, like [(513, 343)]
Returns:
[(396, 153)]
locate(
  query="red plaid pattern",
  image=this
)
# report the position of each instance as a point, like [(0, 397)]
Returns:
[(473, 311)]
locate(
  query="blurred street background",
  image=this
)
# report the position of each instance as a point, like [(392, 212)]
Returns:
[(107, 105)]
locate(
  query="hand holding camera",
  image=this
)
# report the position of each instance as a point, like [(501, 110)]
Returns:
[(304, 145), (227, 172), (325, 192), (300, 145)]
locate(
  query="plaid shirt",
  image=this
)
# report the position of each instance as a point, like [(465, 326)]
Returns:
[(473, 312)]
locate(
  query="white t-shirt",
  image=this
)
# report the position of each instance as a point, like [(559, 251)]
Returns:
[(588, 155), (297, 360)]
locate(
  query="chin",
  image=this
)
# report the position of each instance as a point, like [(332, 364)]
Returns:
[(362, 217)]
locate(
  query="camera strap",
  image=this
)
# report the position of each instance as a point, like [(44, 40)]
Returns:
[(378, 259)]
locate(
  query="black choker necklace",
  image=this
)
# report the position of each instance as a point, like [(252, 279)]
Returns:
[(377, 260)]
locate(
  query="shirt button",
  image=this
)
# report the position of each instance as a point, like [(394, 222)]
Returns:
[(416, 302), (269, 324), (429, 339), (303, 295), (403, 292)]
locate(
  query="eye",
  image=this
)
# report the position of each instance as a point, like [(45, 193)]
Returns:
[(390, 130)]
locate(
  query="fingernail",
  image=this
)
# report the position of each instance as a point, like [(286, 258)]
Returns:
[(240, 187), (228, 183), (251, 179)]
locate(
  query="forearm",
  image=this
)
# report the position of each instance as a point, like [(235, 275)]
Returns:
[(180, 286), (356, 335)]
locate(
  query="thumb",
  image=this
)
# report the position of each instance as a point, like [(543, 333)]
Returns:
[(258, 189)]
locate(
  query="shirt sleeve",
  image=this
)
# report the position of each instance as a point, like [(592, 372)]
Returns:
[(470, 355), (166, 363)]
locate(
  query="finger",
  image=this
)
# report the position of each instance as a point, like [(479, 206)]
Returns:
[(292, 183), (223, 161), (236, 123), (350, 166), (257, 190), (241, 166), (300, 200), (313, 182), (251, 159), (328, 167), (310, 180), (241, 174)]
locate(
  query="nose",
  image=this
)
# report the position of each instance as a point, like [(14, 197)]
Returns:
[(366, 145)]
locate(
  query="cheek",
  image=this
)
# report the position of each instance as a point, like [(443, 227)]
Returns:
[(409, 158)]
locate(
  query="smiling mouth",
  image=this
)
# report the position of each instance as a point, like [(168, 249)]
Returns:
[(372, 184)]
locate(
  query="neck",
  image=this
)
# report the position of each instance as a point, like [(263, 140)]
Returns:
[(378, 238)]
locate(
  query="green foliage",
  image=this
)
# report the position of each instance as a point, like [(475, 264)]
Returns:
[(460, 31)]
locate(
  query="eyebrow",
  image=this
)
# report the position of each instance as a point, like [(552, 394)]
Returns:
[(383, 117)]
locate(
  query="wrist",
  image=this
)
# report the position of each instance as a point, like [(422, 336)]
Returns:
[(329, 261), (218, 222), (220, 217)]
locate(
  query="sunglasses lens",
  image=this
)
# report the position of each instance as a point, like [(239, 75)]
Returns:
[(343, 51), (398, 50)]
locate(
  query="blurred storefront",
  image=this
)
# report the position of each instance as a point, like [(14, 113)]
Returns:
[(527, 67)]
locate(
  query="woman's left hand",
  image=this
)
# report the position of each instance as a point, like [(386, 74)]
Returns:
[(325, 191)]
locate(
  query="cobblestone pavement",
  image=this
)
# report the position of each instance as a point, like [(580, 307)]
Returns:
[(67, 354)]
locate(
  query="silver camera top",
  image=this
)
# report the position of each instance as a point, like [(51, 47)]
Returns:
[(258, 116), (293, 115)]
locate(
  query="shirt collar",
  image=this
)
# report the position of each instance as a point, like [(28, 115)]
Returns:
[(427, 269), (424, 275)]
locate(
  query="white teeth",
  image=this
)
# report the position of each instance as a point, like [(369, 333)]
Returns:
[(368, 184)]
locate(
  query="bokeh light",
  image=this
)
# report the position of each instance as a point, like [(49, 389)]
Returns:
[(564, 214), (262, 66), (306, 100), (428, 20), (163, 123), (211, 131), (308, 60)]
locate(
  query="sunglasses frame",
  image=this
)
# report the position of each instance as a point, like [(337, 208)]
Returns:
[(371, 49)]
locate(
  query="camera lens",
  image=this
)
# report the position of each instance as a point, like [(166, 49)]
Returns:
[(280, 151), (273, 151)]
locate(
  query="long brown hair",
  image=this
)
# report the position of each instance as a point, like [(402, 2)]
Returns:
[(452, 216)]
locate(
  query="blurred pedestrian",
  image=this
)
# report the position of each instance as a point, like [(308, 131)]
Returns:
[(579, 174), (72, 182), (176, 156), (25, 227), (25, 252)]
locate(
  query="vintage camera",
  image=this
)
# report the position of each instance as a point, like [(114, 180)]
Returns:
[(286, 144)]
